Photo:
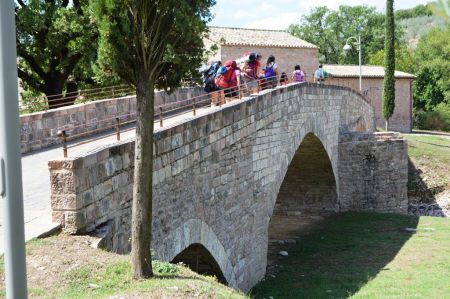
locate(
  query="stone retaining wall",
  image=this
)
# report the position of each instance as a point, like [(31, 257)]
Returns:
[(39, 129), (216, 176), (373, 172)]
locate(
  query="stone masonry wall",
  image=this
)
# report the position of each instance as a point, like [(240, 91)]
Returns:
[(373, 172), (216, 176), (39, 129)]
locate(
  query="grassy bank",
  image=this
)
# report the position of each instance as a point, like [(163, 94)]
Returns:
[(429, 168), (67, 267), (364, 255)]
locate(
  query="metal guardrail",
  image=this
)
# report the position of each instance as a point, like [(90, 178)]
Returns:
[(44, 102), (216, 98)]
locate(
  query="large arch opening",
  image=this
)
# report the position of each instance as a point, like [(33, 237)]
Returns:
[(200, 260), (309, 186), (306, 196)]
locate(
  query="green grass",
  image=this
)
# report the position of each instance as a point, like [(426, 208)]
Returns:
[(430, 147), (365, 255), (100, 281)]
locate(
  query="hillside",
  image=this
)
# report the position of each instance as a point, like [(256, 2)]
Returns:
[(419, 26)]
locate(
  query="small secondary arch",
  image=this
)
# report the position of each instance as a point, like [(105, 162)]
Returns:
[(195, 235)]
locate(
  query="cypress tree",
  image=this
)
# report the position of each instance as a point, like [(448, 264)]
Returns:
[(389, 64)]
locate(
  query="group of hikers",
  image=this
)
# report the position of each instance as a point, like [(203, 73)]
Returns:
[(249, 74)]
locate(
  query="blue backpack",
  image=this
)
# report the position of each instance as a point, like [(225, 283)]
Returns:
[(269, 72)]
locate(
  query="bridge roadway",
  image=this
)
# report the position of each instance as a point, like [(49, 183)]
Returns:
[(36, 178)]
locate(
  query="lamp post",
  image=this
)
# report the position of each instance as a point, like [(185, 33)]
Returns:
[(347, 48)]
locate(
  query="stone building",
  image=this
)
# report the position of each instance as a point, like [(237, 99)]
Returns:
[(232, 43), (372, 89), (288, 50)]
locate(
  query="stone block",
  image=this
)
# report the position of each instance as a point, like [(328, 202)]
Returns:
[(66, 202), (74, 221)]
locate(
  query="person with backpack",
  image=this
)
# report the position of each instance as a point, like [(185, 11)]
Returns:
[(226, 78), (298, 75), (250, 71), (271, 72), (320, 75), (284, 80), (209, 75)]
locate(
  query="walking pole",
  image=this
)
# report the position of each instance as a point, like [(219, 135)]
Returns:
[(10, 164)]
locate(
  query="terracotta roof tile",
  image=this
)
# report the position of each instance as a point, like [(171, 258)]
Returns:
[(255, 37), (368, 71)]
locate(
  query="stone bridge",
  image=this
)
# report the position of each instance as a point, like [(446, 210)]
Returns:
[(220, 177)]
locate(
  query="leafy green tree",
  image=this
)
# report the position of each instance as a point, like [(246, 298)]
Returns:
[(404, 59), (330, 29), (389, 64), (432, 85), (441, 8), (148, 44), (56, 46), (417, 11)]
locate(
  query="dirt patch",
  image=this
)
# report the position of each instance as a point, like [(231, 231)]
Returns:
[(50, 260), (428, 174)]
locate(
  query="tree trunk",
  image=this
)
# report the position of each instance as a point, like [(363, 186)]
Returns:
[(54, 88), (143, 178), (387, 124)]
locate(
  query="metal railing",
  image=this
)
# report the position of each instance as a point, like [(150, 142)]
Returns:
[(194, 104), (45, 102)]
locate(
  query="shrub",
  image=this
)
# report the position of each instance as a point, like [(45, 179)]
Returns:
[(438, 120)]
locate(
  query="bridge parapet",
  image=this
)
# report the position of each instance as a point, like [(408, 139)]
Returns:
[(223, 170), (39, 130)]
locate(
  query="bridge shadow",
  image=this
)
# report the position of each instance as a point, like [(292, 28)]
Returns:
[(338, 258)]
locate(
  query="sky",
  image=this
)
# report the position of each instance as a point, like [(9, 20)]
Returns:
[(279, 14)]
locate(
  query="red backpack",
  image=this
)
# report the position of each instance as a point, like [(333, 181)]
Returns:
[(224, 79), (249, 69)]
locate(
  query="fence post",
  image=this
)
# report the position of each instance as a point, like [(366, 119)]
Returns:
[(62, 134), (118, 128), (160, 117), (193, 106)]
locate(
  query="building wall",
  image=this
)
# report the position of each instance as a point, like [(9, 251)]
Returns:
[(401, 119), (286, 58)]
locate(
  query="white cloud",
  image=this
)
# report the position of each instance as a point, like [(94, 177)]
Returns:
[(279, 14), (275, 22)]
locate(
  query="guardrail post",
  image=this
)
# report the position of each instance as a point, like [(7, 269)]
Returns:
[(118, 128), (113, 93), (193, 106), (160, 117), (62, 134)]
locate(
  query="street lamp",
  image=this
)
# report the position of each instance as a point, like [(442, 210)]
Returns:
[(348, 47)]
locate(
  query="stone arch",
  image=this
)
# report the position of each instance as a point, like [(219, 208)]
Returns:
[(200, 260), (309, 184), (196, 232)]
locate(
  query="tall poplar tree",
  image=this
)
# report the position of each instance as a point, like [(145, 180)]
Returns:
[(149, 44), (389, 64)]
